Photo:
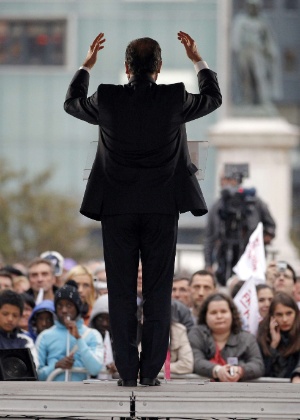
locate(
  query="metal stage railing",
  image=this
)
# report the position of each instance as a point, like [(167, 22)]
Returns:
[(174, 376)]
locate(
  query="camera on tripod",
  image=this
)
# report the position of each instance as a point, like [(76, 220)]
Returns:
[(236, 201), (236, 205), (236, 171)]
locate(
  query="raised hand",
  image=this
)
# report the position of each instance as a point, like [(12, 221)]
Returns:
[(96, 46), (72, 328), (275, 333), (190, 46)]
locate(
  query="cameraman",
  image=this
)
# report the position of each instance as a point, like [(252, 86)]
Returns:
[(228, 230)]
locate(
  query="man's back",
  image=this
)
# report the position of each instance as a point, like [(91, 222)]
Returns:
[(142, 163), (140, 131), (142, 177)]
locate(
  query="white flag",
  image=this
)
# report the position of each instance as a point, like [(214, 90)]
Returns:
[(40, 296), (247, 304), (108, 354), (252, 263), (108, 357)]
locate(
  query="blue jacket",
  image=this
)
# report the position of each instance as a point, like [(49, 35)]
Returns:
[(51, 345)]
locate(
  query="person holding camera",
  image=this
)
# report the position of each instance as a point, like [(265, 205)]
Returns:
[(231, 221), (281, 276)]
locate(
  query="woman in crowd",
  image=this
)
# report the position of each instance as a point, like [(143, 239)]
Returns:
[(279, 338), (21, 284), (181, 354), (85, 281), (99, 320), (222, 351), (265, 295)]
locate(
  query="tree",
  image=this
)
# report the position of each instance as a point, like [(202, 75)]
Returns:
[(36, 219)]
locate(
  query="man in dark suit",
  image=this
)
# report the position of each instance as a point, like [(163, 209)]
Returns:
[(141, 179)]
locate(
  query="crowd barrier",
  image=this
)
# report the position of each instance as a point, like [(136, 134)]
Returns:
[(186, 377), (183, 397)]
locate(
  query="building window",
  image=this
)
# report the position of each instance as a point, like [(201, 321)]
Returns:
[(241, 5), (291, 4), (290, 60), (268, 4), (28, 42)]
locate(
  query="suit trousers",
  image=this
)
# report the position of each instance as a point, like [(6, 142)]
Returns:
[(126, 239)]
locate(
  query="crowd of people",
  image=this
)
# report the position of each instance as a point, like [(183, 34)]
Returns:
[(59, 310)]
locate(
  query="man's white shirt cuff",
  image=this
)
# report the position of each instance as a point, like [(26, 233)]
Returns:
[(84, 68), (200, 65)]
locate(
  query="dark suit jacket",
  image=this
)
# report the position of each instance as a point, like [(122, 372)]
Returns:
[(142, 163)]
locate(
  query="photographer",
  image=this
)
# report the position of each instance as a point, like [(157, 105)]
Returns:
[(231, 220)]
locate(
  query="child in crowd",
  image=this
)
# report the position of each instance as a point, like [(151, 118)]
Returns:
[(265, 295), (100, 321), (11, 337), (41, 318), (69, 343)]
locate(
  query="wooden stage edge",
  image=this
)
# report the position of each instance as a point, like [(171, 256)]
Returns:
[(173, 399)]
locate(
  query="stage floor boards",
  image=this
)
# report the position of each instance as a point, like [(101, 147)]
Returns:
[(175, 399)]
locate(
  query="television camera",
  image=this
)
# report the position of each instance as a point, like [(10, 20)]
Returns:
[(235, 206)]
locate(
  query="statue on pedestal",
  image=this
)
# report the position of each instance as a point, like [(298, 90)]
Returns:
[(256, 61)]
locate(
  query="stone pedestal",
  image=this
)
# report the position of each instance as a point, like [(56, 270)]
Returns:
[(265, 144)]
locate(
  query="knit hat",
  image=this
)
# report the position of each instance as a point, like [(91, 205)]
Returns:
[(69, 292)]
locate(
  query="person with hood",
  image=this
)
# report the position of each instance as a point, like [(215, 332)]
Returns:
[(99, 320), (41, 318), (69, 343)]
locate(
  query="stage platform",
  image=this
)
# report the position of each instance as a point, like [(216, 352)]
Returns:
[(173, 399)]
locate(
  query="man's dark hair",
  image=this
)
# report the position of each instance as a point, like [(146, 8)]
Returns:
[(12, 270), (204, 273), (289, 267), (143, 56), (9, 297), (40, 260), (180, 276), (4, 273), (28, 299), (236, 288)]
